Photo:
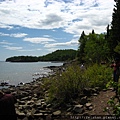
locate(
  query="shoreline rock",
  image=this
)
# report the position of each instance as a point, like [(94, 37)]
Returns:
[(32, 105)]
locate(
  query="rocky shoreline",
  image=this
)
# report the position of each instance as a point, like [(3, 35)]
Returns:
[(32, 102)]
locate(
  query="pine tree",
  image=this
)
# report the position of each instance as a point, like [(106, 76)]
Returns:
[(115, 25), (109, 41), (93, 32), (82, 43)]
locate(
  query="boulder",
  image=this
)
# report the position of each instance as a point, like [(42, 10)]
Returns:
[(83, 100), (31, 102), (20, 115), (88, 106), (78, 109), (57, 113)]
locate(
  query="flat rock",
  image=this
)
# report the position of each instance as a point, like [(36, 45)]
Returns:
[(56, 113), (78, 109)]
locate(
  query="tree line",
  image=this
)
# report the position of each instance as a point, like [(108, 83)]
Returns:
[(58, 55), (22, 59), (101, 47)]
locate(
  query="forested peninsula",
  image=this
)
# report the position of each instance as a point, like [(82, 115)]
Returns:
[(58, 55)]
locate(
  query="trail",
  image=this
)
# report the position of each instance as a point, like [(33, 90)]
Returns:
[(99, 102)]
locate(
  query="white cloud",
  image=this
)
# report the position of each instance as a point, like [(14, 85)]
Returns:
[(6, 43), (47, 36), (52, 19), (38, 40), (49, 14), (17, 35), (28, 50), (73, 42), (4, 25), (3, 34), (12, 48)]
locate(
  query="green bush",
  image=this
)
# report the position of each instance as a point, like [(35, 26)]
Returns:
[(98, 75), (114, 102), (67, 85)]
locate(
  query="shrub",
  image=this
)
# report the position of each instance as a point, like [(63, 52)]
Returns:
[(114, 102), (68, 84), (98, 75)]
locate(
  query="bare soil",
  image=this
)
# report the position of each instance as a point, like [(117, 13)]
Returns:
[(99, 102)]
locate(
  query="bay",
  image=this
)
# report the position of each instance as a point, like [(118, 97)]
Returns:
[(15, 73)]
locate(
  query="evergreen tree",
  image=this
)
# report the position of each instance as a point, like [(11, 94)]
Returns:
[(109, 41), (115, 25), (108, 32), (82, 42), (93, 32)]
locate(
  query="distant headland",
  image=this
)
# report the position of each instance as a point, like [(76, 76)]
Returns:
[(58, 55)]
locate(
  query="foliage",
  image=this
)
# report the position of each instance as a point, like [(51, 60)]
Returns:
[(114, 108), (98, 75), (115, 24), (108, 38), (59, 55), (81, 53), (114, 102), (93, 48), (69, 84), (22, 59), (117, 48)]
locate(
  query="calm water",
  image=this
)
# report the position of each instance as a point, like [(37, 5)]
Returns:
[(14, 73)]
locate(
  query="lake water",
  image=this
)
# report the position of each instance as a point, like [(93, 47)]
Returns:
[(14, 73)]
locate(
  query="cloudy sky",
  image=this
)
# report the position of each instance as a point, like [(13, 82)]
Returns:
[(39, 27)]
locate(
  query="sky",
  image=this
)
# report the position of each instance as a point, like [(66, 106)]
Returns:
[(39, 27)]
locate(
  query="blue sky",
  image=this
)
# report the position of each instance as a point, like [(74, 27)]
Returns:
[(39, 27)]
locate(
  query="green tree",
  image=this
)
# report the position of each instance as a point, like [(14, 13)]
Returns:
[(82, 42), (115, 26), (96, 48), (117, 48), (59, 55), (93, 32), (108, 39)]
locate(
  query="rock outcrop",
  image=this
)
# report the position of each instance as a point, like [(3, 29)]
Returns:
[(32, 102)]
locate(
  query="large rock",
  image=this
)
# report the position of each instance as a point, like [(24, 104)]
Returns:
[(89, 106), (83, 100), (31, 102), (78, 109), (38, 103), (57, 113), (20, 115)]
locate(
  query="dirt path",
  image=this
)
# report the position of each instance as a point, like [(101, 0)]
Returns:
[(99, 102)]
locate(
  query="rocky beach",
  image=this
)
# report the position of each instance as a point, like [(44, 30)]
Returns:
[(32, 101)]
